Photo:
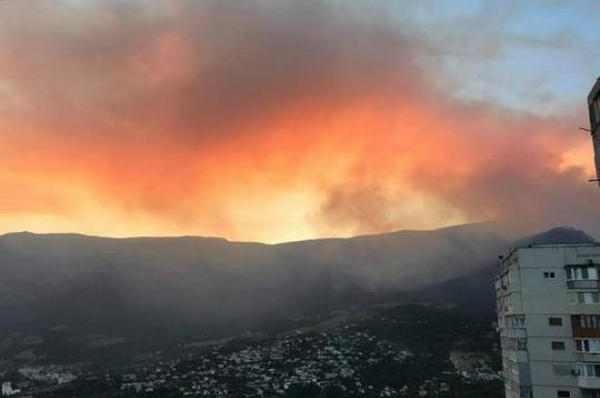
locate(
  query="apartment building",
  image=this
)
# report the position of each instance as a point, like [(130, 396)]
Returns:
[(548, 303), (593, 102)]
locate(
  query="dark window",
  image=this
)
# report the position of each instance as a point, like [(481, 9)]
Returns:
[(558, 345), (555, 321), (589, 371), (588, 321), (563, 394), (584, 273), (594, 111), (569, 273), (582, 345)]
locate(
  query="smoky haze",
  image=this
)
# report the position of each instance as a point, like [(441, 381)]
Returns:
[(208, 285)]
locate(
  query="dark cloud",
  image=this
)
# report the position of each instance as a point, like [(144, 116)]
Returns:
[(195, 68)]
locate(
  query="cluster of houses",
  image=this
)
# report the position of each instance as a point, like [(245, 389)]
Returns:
[(334, 358), (341, 358), (272, 368), (47, 374), (32, 378)]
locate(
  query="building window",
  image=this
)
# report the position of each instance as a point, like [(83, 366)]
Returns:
[(582, 345), (594, 110), (582, 273), (563, 394), (515, 321), (555, 321), (588, 345), (549, 275), (558, 345), (512, 343), (588, 297), (587, 321), (518, 321), (588, 370)]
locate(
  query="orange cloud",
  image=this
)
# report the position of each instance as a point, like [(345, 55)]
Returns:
[(257, 122)]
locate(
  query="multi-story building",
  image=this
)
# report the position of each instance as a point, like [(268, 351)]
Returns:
[(593, 101), (548, 302)]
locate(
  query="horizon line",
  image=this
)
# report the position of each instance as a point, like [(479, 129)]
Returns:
[(131, 237)]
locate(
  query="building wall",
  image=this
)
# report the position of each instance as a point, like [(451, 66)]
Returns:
[(550, 392), (533, 283)]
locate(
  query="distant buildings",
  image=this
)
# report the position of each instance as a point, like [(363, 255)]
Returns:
[(594, 111), (47, 374), (548, 302)]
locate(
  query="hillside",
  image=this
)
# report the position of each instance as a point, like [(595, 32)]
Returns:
[(103, 284), (66, 296)]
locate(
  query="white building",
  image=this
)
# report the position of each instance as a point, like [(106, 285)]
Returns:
[(8, 390), (548, 302)]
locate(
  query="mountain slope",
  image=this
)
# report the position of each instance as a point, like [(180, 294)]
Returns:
[(181, 287)]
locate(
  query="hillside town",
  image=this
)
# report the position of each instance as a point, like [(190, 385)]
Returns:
[(382, 356)]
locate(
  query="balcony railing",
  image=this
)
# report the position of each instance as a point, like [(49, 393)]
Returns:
[(583, 284), (588, 382)]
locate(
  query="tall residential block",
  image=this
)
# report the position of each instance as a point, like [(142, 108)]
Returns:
[(548, 303), (593, 101)]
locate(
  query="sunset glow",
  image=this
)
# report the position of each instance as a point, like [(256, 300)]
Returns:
[(262, 122)]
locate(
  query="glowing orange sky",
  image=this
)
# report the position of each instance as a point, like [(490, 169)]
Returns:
[(266, 123)]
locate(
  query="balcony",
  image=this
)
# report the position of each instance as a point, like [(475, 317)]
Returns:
[(588, 382), (586, 332), (584, 284), (587, 357)]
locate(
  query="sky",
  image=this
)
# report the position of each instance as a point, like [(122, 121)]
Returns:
[(286, 120)]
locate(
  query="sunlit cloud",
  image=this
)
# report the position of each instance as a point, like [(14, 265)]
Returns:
[(262, 121)]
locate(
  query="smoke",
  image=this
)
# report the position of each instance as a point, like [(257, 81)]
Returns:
[(225, 118)]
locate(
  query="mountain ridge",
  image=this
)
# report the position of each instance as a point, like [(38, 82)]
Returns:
[(332, 238), (165, 288)]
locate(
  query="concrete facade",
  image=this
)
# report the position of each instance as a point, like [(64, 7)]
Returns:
[(548, 303), (593, 101)]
